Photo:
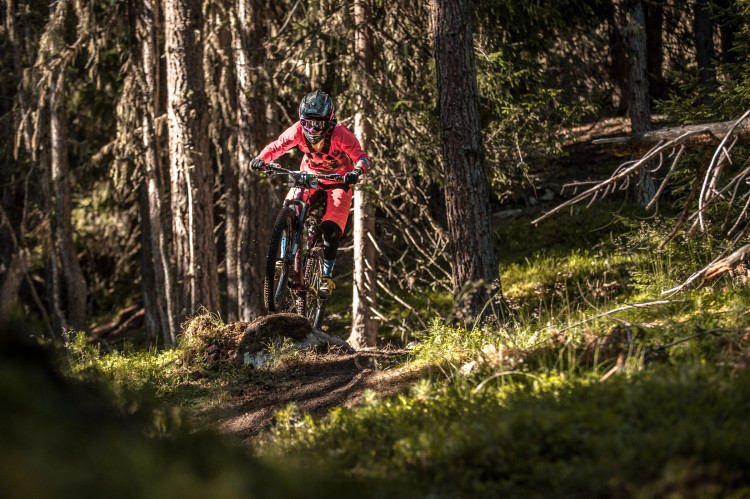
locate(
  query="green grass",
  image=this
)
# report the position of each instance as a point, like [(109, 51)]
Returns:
[(681, 431), (597, 385)]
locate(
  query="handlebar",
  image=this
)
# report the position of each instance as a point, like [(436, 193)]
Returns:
[(302, 177)]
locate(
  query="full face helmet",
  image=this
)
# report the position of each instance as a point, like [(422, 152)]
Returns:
[(316, 115)]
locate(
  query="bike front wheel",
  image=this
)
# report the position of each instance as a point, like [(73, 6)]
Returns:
[(279, 264), (313, 304)]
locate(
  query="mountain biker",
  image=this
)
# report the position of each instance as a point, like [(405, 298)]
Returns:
[(329, 147)]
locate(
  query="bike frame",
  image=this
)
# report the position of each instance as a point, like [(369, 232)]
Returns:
[(303, 181), (302, 208)]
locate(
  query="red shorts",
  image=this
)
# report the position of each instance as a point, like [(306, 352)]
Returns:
[(338, 203)]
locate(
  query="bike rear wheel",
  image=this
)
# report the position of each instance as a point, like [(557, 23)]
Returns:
[(279, 264)]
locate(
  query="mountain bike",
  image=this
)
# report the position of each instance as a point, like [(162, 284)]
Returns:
[(294, 263)]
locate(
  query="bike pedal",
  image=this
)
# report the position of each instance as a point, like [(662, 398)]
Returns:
[(320, 294), (326, 287)]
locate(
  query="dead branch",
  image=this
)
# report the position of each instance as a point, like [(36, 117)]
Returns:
[(729, 263), (621, 174), (710, 183), (688, 205), (703, 135)]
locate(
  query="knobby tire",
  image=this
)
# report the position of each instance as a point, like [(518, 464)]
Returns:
[(276, 294), (314, 307)]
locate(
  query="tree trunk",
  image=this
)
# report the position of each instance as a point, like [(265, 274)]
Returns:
[(640, 109), (149, 288), (157, 265), (39, 160), (226, 90), (704, 47), (75, 285), (231, 231), (364, 323), (190, 167), (655, 50), (473, 258), (253, 216), (640, 114), (620, 71), (221, 90)]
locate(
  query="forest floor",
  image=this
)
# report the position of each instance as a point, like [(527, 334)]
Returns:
[(316, 382)]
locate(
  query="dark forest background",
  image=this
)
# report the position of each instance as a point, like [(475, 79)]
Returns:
[(549, 252), (128, 126)]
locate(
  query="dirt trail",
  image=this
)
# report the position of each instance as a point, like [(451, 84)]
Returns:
[(316, 383)]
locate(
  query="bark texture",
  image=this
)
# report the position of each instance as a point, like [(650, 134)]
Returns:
[(473, 259), (190, 167), (364, 322), (640, 109), (253, 213), (75, 284), (161, 313), (619, 69)]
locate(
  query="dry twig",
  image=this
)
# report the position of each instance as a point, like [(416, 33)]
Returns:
[(706, 188)]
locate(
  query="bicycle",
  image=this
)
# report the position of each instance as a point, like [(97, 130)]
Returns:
[(289, 266)]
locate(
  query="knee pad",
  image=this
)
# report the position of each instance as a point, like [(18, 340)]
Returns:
[(331, 237)]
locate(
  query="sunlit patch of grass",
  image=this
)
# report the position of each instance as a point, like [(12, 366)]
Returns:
[(442, 344), (545, 273), (126, 367), (179, 375)]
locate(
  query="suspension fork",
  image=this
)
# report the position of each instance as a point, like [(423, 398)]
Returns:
[(302, 209)]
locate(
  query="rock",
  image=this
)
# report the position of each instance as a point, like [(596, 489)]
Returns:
[(548, 195), (290, 331), (501, 218)]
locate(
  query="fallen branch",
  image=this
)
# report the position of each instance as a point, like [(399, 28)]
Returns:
[(723, 136), (604, 185), (702, 135), (705, 269), (726, 264)]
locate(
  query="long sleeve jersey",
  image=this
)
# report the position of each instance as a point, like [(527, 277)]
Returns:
[(340, 152)]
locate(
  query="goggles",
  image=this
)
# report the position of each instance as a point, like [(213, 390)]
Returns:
[(313, 126)]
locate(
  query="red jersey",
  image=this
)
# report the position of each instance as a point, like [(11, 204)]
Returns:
[(340, 151)]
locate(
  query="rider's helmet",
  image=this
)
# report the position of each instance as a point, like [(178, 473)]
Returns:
[(316, 115)]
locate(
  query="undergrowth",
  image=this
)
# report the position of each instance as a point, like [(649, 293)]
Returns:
[(598, 384), (667, 431)]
